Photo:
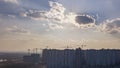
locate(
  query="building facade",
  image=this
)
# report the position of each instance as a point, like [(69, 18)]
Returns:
[(33, 58), (79, 58)]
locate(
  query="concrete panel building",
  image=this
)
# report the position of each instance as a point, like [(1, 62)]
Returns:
[(78, 58)]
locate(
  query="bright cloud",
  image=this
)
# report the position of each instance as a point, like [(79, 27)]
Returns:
[(55, 26), (111, 26), (12, 1), (58, 14)]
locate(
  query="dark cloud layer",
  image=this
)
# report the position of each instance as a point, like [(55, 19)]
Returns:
[(10, 7), (36, 14), (18, 7), (84, 19), (36, 4)]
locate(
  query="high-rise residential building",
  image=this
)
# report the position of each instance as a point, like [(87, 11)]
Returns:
[(78, 58)]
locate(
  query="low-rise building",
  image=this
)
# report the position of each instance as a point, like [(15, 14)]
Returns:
[(33, 58)]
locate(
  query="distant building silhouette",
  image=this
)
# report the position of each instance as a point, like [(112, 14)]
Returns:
[(79, 58), (33, 58)]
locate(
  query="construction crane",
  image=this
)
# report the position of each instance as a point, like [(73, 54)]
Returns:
[(29, 51), (82, 46), (46, 47), (36, 50)]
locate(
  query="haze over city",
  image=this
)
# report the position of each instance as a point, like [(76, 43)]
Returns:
[(28, 24)]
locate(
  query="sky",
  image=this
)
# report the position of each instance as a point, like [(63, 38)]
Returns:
[(28, 24)]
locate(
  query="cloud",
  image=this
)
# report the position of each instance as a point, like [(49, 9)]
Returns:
[(36, 4), (58, 14), (11, 1), (17, 30), (10, 7), (55, 26), (21, 7), (111, 26), (55, 13), (36, 15), (84, 19)]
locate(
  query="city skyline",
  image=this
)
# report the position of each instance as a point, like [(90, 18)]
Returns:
[(31, 24)]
